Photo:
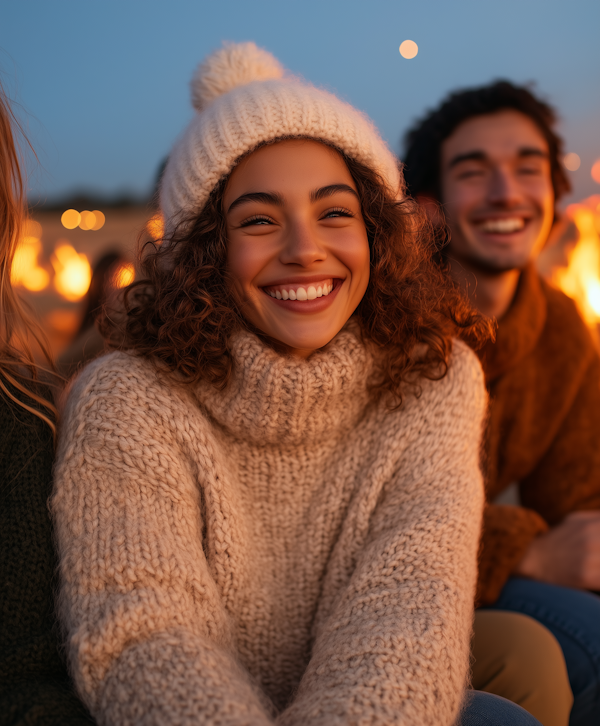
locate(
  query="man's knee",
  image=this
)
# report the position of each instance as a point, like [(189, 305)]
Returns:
[(518, 658)]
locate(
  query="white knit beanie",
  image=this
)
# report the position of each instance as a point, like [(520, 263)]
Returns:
[(243, 99)]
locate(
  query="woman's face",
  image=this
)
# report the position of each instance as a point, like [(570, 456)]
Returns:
[(298, 254)]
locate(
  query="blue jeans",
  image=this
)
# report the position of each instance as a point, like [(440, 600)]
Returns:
[(483, 709), (573, 617)]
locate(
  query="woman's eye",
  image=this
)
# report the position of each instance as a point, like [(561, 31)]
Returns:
[(259, 219), (337, 212)]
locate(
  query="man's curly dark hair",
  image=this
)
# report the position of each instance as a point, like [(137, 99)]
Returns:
[(423, 142)]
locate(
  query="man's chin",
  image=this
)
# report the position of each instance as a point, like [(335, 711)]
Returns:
[(488, 265), (496, 267)]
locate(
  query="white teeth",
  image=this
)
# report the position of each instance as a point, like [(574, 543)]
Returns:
[(311, 292), (503, 226)]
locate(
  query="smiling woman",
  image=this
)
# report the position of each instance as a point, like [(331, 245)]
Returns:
[(278, 476)]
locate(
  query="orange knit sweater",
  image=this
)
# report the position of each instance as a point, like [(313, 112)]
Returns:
[(543, 377)]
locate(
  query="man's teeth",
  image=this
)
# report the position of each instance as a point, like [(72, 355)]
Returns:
[(503, 226), (311, 292)]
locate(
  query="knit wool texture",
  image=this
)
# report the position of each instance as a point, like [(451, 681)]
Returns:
[(243, 100), (284, 551)]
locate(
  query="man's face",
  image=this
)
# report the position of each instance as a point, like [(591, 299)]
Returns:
[(497, 191)]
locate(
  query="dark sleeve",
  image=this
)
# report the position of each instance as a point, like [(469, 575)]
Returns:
[(34, 686), (565, 480), (506, 534)]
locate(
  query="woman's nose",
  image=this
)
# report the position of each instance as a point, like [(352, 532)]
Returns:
[(302, 246)]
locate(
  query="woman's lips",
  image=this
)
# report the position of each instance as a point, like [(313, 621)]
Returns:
[(306, 300)]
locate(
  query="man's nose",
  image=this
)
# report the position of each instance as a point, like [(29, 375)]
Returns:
[(302, 246), (504, 189)]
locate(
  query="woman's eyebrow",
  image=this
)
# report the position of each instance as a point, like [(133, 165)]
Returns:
[(264, 197), (329, 190)]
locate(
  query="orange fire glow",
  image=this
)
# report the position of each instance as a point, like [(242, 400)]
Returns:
[(156, 227), (25, 270), (580, 279), (73, 273), (124, 275)]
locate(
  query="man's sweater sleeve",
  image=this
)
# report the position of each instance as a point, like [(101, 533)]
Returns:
[(394, 646), (506, 534), (34, 686), (566, 479), (148, 638)]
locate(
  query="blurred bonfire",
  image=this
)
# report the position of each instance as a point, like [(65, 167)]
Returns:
[(66, 264), (571, 260)]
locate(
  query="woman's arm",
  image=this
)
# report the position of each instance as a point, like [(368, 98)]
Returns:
[(34, 686), (395, 646), (148, 637)]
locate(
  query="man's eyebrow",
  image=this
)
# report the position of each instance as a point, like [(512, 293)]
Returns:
[(526, 151), (478, 155), (475, 155), (329, 191), (264, 197)]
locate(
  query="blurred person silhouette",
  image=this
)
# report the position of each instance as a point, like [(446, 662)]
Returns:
[(34, 686), (87, 342), (487, 163)]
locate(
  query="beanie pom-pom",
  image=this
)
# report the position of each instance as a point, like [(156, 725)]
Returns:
[(236, 64)]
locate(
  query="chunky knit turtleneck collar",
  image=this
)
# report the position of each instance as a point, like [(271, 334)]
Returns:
[(274, 398)]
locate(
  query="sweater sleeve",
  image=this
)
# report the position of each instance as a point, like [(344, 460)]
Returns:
[(34, 686), (566, 479), (395, 646), (148, 638)]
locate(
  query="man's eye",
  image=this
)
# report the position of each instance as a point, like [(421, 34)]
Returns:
[(258, 219), (337, 212), (529, 170), (469, 173)]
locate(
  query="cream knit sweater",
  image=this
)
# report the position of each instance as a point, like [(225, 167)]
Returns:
[(283, 551)]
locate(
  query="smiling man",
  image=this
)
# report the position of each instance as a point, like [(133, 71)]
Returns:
[(487, 162)]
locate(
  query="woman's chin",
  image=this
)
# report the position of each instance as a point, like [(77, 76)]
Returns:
[(304, 343)]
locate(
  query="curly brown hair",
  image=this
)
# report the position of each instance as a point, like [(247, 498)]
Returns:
[(182, 314)]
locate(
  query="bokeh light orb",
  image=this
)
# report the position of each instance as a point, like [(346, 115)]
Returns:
[(70, 219), (596, 172), (88, 220), (408, 49), (572, 161), (100, 219), (156, 227), (124, 275)]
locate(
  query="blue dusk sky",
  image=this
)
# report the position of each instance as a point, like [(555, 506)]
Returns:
[(103, 87)]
